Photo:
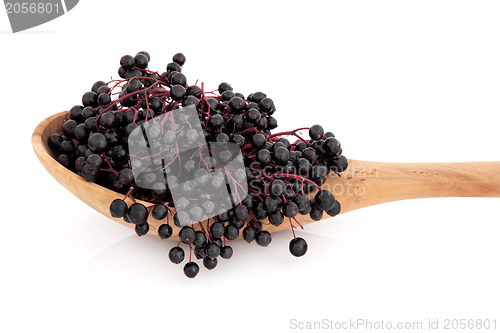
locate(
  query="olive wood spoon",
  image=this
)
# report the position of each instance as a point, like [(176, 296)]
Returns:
[(362, 184)]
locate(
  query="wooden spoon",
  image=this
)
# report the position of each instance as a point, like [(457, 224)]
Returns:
[(362, 184)]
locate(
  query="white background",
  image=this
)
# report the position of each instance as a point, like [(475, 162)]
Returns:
[(396, 81)]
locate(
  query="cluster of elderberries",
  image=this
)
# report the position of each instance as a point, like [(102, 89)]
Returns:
[(278, 173)]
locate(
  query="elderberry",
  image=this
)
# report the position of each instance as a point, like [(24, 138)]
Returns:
[(298, 247), (283, 171)]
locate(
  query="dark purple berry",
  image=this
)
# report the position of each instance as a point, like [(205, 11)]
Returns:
[(191, 269), (298, 247), (263, 238), (165, 231), (141, 229), (118, 208), (176, 255)]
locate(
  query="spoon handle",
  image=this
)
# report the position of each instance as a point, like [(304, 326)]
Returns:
[(370, 183)]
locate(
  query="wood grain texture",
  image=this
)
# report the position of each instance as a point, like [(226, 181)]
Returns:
[(363, 184)]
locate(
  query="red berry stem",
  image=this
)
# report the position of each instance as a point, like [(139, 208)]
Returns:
[(129, 194), (109, 164), (292, 176), (300, 225), (292, 227)]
